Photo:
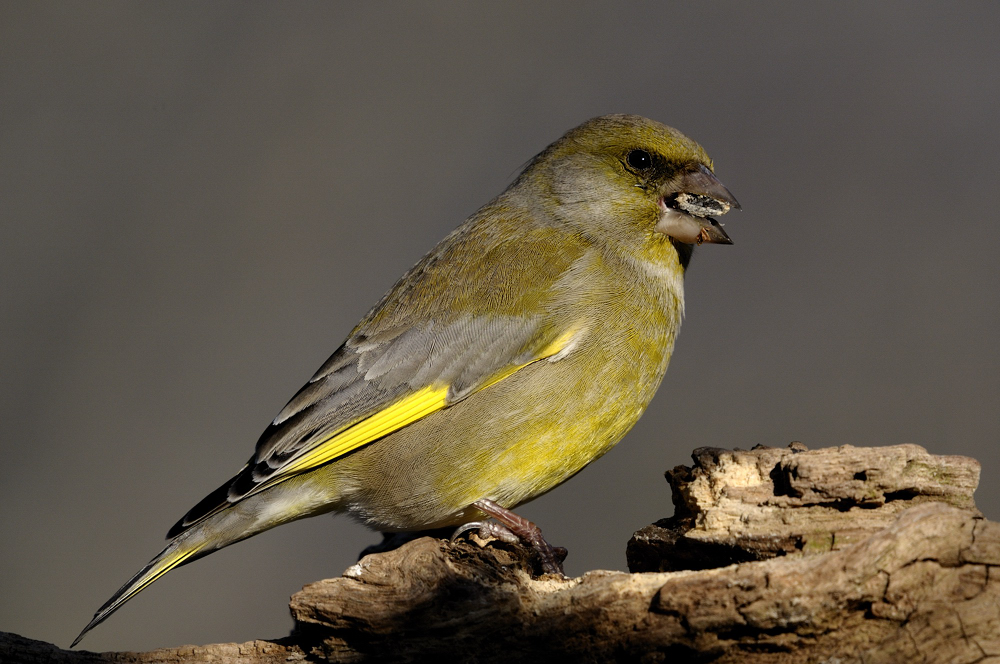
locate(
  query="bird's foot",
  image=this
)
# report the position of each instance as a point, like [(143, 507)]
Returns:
[(488, 529), (514, 529)]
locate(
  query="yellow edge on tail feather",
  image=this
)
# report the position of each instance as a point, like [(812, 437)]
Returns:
[(173, 562)]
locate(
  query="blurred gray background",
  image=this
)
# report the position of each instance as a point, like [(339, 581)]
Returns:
[(199, 200)]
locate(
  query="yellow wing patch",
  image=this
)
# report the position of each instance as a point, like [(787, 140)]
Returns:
[(560, 344), (418, 405), (554, 348), (406, 411)]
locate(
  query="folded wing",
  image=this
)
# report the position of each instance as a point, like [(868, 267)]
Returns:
[(377, 383)]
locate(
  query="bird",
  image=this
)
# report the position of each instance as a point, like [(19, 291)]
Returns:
[(517, 351)]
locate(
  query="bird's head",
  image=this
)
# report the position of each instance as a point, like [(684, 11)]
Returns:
[(621, 176)]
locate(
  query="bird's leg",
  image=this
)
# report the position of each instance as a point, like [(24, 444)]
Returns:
[(524, 530)]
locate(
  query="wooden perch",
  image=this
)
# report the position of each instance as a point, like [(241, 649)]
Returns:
[(844, 555), (734, 506)]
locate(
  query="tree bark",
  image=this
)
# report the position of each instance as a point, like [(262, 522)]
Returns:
[(835, 555)]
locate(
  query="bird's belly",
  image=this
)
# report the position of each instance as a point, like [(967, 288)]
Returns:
[(510, 442)]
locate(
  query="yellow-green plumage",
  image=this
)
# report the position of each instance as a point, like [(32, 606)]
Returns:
[(529, 432), (520, 349)]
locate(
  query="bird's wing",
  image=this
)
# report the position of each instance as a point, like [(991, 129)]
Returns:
[(378, 383)]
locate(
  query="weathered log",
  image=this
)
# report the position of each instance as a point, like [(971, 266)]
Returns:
[(734, 506), (907, 570)]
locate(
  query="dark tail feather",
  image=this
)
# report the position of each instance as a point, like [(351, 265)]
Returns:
[(206, 506), (174, 555)]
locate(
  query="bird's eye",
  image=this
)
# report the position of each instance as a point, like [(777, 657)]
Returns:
[(639, 159)]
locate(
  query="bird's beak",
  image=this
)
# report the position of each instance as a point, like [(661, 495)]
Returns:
[(711, 231), (685, 213), (703, 182)]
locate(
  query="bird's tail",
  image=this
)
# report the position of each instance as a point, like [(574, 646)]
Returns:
[(285, 502), (180, 551)]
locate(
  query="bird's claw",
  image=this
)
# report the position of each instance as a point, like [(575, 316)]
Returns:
[(488, 530), (513, 528)]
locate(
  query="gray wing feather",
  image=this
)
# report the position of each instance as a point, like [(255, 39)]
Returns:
[(368, 373)]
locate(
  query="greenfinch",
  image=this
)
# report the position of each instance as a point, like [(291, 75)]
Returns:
[(520, 349)]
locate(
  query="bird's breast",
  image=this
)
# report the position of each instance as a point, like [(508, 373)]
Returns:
[(536, 428)]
